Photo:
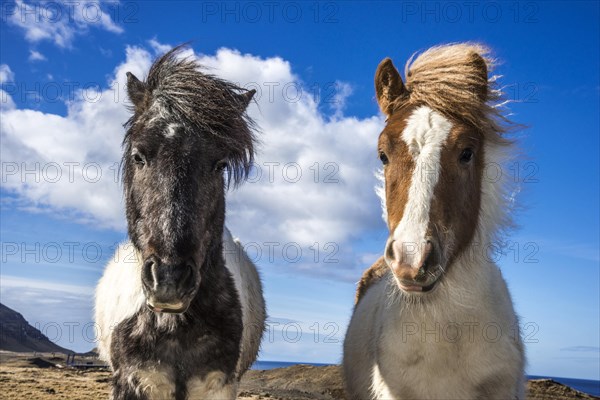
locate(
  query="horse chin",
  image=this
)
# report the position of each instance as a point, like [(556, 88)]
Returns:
[(169, 308)]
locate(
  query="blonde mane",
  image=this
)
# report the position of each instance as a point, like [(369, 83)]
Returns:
[(453, 80)]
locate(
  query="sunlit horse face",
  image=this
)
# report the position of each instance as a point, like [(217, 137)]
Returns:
[(174, 186), (433, 171)]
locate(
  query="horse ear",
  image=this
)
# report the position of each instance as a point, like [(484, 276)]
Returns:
[(136, 90), (246, 98), (481, 69), (388, 86)]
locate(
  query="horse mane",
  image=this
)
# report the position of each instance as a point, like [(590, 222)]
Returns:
[(453, 80), (202, 103), (457, 80)]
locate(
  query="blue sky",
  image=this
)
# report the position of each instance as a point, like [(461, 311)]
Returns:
[(63, 102)]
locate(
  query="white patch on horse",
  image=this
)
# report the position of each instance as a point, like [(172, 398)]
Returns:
[(379, 388), (425, 134), (155, 383), (247, 284), (156, 112), (213, 386), (122, 284), (171, 130)]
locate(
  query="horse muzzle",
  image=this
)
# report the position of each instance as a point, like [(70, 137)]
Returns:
[(416, 266), (169, 288)]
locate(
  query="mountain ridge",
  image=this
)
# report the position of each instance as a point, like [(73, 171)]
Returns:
[(17, 335)]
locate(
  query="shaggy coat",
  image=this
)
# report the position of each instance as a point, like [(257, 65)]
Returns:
[(188, 138), (433, 317)]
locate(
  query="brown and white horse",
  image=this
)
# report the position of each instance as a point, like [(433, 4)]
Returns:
[(433, 317)]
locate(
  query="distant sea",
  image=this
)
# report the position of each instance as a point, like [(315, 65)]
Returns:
[(583, 385), (281, 364)]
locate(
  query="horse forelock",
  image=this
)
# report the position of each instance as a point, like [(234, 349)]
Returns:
[(179, 92)]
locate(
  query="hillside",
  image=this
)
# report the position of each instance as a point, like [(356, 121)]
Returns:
[(17, 335)]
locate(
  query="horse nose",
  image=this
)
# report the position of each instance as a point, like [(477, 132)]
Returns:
[(409, 260), (167, 286)]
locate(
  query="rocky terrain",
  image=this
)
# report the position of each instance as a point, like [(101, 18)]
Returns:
[(44, 377)]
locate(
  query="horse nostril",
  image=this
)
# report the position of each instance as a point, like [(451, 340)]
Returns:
[(429, 247), (189, 270), (389, 250), (428, 254), (148, 273)]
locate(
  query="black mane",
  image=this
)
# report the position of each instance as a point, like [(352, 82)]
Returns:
[(203, 104)]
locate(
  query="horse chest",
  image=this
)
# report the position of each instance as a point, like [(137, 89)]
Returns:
[(422, 357)]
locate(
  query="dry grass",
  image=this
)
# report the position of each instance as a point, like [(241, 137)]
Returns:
[(27, 376), (17, 382)]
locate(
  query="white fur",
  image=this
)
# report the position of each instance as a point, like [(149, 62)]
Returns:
[(171, 130), (247, 283), (213, 386), (425, 134), (119, 294), (395, 349), (404, 347), (379, 387), (156, 384)]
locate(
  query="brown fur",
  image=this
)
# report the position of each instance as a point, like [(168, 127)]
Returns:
[(369, 277), (457, 194), (452, 201), (401, 164)]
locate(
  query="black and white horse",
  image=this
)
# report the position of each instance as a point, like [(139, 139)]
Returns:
[(180, 309)]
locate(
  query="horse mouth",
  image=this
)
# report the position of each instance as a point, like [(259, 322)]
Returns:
[(415, 287), (411, 286), (170, 308)]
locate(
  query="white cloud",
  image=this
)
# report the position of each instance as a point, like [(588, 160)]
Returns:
[(36, 56), (159, 48), (6, 101), (19, 282), (60, 22), (338, 100), (315, 193), (72, 160), (6, 75)]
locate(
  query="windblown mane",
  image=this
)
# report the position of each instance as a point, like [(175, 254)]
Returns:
[(178, 89), (448, 79)]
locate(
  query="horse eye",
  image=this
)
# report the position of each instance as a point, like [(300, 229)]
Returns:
[(220, 165), (138, 157), (384, 159), (466, 156)]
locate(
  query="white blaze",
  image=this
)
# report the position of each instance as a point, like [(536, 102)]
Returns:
[(425, 134)]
